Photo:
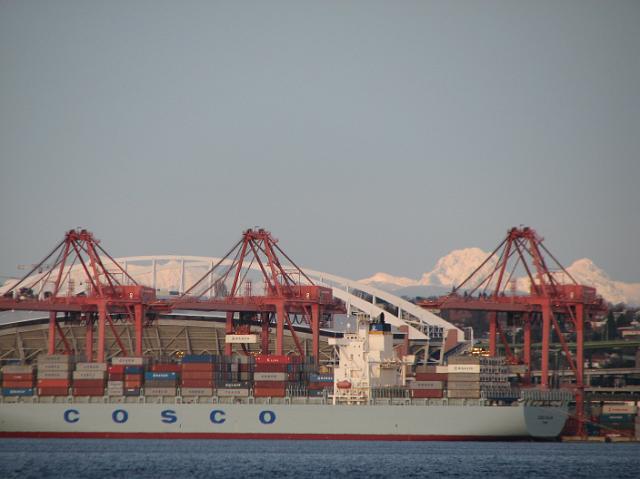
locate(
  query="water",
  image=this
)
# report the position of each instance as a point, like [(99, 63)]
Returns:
[(155, 459)]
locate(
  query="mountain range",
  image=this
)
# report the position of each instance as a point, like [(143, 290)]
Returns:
[(452, 269), (449, 271)]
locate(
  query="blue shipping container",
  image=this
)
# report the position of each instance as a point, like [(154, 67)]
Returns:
[(321, 378), (133, 370), (198, 358), (158, 375), (17, 391)]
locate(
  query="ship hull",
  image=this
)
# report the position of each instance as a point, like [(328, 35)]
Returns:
[(279, 421)]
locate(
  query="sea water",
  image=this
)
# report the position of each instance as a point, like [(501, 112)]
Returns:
[(158, 459)]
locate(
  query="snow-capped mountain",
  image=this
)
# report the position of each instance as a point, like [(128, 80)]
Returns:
[(452, 269), (455, 267), (390, 282), (586, 272)]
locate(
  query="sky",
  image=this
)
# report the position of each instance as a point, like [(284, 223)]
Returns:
[(367, 136)]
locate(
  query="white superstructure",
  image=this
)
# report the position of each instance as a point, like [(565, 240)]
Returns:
[(367, 360)]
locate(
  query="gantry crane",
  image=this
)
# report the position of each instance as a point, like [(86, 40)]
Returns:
[(554, 298)]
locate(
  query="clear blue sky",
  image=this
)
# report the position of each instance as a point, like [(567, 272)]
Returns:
[(368, 136)]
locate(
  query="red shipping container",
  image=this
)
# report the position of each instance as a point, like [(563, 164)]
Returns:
[(88, 383), (53, 383), (132, 383), (133, 379), (426, 393), (18, 377), (268, 392), (318, 386), (197, 375), (431, 377), (271, 384), (197, 367), (49, 391), (197, 383), (88, 391), (17, 384), (272, 359), (116, 369), (116, 377), (166, 368)]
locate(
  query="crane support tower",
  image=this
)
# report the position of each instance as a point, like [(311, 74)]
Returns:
[(83, 282), (554, 299), (287, 291)]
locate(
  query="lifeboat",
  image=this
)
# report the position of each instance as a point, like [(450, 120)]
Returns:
[(344, 384)]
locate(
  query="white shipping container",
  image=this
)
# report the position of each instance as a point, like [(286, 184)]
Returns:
[(54, 374), (115, 384), (88, 375), (442, 369), (55, 358), (425, 385), (619, 408), (232, 392), (196, 391), (14, 369), (241, 338), (452, 385), (464, 368), (55, 367), (159, 391), (128, 361), (91, 366), (269, 376)]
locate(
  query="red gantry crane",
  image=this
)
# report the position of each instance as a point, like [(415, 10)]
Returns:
[(288, 291), (555, 299), (94, 297)]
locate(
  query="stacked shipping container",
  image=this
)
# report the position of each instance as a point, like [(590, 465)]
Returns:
[(428, 383), (271, 376), (54, 374), (161, 380), (197, 375), (131, 370), (17, 380), (89, 379), (320, 384), (469, 376)]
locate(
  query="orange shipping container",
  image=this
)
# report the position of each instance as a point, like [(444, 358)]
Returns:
[(88, 383), (17, 384), (18, 377), (197, 383), (197, 367), (50, 391), (88, 391), (197, 375), (270, 384), (53, 383), (426, 393), (431, 377), (268, 392)]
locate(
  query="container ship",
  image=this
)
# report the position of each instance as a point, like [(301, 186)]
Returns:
[(372, 393)]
